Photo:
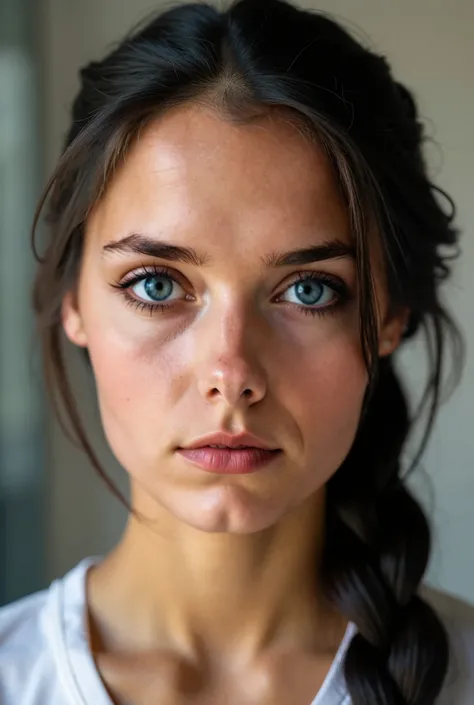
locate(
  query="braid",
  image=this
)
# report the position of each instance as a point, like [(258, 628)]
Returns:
[(377, 550)]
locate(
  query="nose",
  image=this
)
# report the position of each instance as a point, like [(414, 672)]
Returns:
[(231, 372)]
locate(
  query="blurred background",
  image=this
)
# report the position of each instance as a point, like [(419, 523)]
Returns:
[(53, 509)]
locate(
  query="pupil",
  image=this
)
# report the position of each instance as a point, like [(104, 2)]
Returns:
[(158, 288), (310, 292)]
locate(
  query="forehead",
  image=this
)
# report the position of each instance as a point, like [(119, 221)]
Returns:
[(193, 169)]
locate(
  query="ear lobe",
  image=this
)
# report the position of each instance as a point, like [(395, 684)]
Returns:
[(72, 321), (391, 333)]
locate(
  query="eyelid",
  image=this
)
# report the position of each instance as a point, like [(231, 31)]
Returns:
[(149, 270), (144, 270), (333, 281)]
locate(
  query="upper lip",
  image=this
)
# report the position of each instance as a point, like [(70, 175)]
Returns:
[(229, 440)]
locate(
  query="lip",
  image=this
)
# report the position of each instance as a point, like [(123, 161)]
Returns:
[(231, 460), (229, 440)]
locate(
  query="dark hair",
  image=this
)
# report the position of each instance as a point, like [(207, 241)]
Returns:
[(255, 56)]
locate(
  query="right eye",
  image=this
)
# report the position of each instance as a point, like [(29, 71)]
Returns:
[(151, 288), (155, 288)]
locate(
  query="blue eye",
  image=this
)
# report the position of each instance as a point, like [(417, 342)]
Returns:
[(156, 289), (311, 291)]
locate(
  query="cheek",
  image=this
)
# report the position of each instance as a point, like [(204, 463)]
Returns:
[(137, 377), (324, 394), (135, 385)]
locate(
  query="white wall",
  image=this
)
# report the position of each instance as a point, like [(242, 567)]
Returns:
[(429, 43)]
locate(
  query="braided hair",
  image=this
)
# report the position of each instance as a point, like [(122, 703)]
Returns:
[(261, 53)]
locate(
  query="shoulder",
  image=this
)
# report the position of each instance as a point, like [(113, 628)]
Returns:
[(23, 645), (32, 644), (458, 619), (21, 622)]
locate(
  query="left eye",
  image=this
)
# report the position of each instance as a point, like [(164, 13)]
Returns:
[(156, 289), (310, 292)]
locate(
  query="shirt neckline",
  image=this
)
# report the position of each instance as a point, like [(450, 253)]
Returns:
[(76, 667)]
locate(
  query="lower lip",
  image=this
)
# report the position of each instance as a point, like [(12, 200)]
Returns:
[(223, 461)]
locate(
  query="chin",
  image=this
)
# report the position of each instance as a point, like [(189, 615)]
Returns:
[(226, 510)]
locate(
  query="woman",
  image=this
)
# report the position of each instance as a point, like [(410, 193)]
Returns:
[(243, 234)]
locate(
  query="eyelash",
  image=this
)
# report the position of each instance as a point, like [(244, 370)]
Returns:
[(337, 285)]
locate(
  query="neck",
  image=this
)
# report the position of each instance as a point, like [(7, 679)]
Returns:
[(172, 586)]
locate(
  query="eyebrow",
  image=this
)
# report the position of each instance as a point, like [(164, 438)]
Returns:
[(151, 247), (331, 249)]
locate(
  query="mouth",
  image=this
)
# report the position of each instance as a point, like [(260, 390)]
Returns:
[(227, 454), (223, 440), (238, 460)]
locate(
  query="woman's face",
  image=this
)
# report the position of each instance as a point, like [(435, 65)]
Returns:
[(222, 334)]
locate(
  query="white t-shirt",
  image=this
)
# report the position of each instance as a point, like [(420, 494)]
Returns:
[(45, 657)]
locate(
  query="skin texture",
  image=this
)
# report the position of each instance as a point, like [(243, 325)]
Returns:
[(212, 594)]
